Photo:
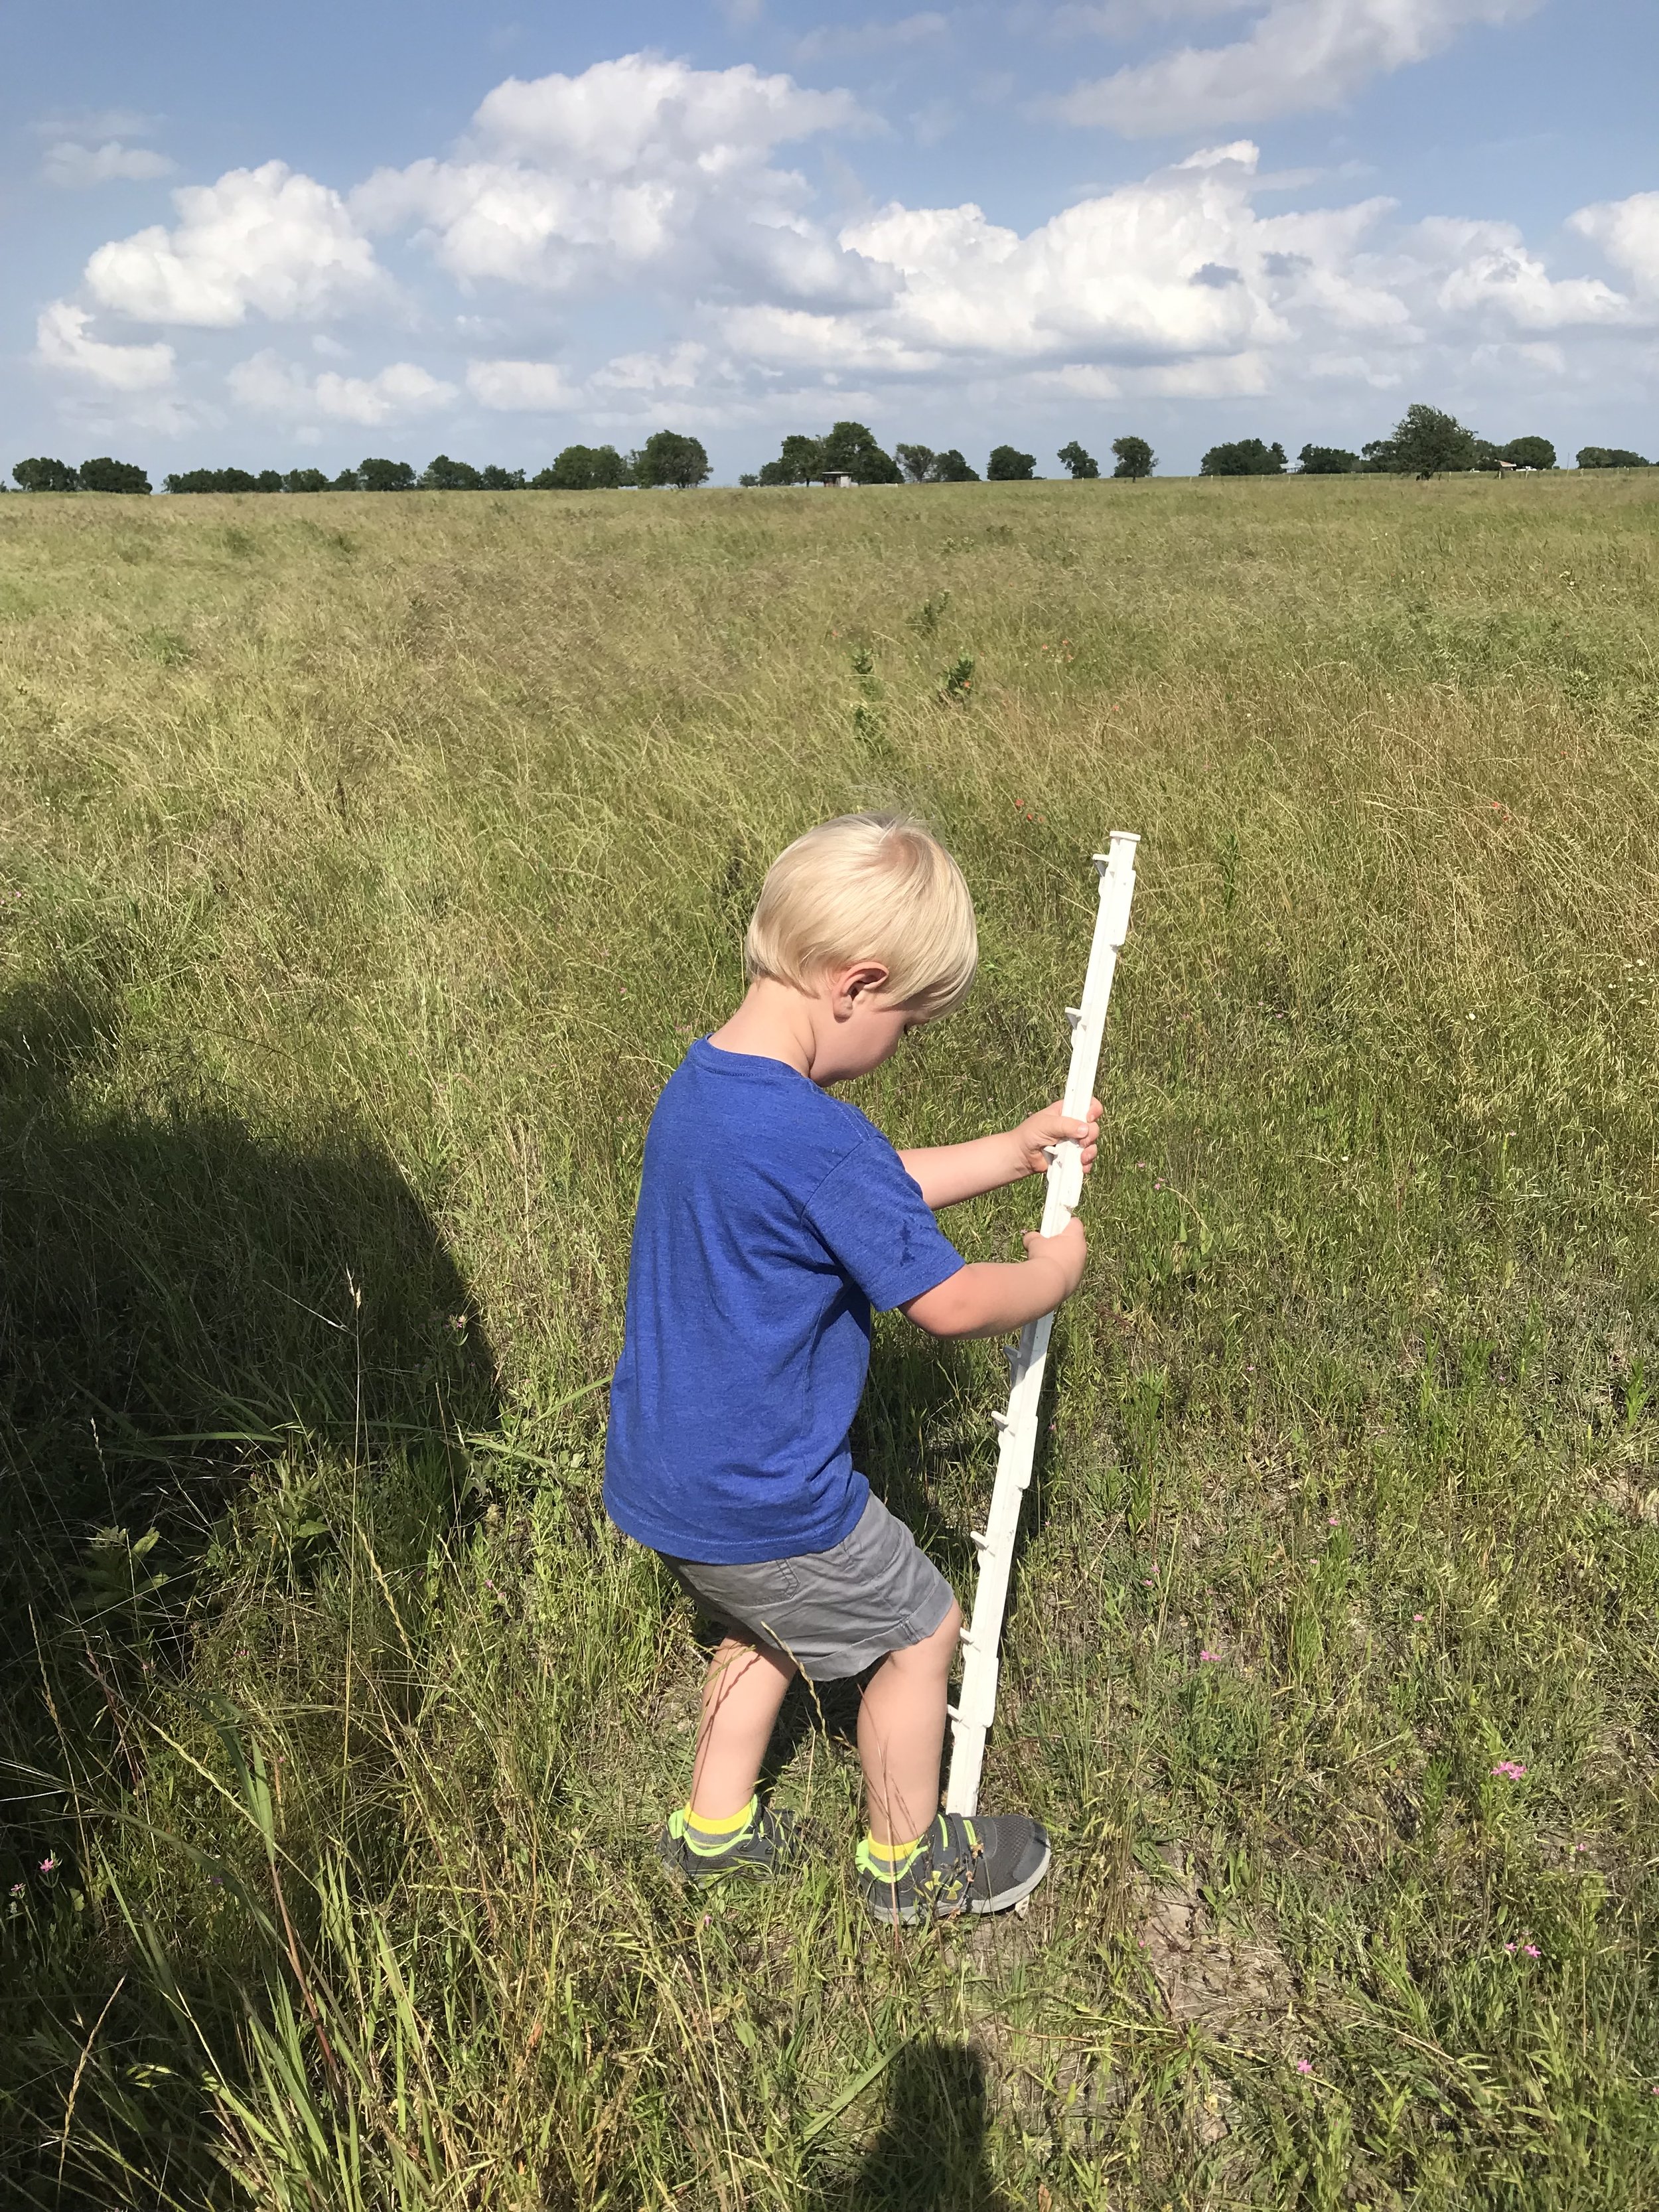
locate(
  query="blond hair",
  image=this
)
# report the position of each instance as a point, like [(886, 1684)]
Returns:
[(867, 887)]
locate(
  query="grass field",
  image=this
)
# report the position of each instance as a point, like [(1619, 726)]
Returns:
[(365, 865)]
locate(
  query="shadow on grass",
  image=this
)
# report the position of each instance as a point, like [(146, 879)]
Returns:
[(924, 1431), (181, 1298), (929, 2154)]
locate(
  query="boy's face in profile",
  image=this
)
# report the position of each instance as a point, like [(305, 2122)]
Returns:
[(857, 1026)]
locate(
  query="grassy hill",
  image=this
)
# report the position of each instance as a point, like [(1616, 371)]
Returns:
[(365, 866)]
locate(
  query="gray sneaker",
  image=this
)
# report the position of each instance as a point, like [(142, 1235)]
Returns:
[(769, 1844), (981, 1865)]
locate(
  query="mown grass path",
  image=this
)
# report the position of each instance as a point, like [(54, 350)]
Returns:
[(365, 865)]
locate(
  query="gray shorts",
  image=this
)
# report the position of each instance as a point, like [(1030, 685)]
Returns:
[(832, 1612)]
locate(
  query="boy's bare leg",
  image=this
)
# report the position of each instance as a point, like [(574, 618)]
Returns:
[(902, 1734), (740, 1702)]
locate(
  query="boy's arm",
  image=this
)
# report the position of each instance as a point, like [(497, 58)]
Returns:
[(950, 1173), (990, 1299)]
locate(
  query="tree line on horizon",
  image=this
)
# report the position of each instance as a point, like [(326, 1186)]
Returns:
[(667, 459), (851, 449), (1426, 441)]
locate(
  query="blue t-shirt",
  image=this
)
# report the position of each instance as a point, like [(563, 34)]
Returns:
[(772, 1219)]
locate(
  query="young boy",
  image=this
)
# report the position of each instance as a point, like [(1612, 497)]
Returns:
[(773, 1218)]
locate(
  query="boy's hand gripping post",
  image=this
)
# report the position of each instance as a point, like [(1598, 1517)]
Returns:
[(976, 1703)]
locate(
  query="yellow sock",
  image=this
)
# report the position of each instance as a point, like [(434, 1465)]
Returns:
[(704, 1834), (893, 1858)]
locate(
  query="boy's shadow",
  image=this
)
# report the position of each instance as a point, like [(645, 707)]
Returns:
[(929, 2155), (178, 1295)]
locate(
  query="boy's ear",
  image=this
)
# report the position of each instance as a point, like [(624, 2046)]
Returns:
[(864, 979)]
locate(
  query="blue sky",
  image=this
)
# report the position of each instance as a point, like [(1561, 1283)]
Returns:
[(280, 235)]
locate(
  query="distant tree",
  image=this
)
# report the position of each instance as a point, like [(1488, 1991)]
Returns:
[(917, 462), (42, 475), (107, 474), (304, 480), (800, 459), (1378, 457), (442, 474), (1428, 442), (1327, 461), (572, 470), (850, 450), (748, 480), (348, 480), (1135, 458), (385, 475), (268, 480), (1610, 457), (670, 458), (584, 468), (1243, 457), (1080, 466), (191, 480), (235, 480), (949, 467), (498, 479), (1487, 456), (1009, 465), (1530, 453)]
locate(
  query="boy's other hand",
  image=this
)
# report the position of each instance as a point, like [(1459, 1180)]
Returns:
[(1039, 1131), (1068, 1251)]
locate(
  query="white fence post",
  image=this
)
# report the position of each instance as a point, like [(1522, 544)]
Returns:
[(977, 1702)]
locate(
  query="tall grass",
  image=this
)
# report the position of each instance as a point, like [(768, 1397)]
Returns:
[(366, 865)]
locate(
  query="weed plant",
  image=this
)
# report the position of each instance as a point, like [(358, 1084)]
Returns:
[(363, 873)]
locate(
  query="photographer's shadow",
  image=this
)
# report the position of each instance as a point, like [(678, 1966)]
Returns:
[(929, 2154), (180, 1294)]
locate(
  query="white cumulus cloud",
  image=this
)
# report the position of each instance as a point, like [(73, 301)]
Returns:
[(1298, 55), (521, 388), (1490, 267), (73, 167), (1627, 232), (271, 239), (1180, 266), (273, 386), (62, 342), (592, 179)]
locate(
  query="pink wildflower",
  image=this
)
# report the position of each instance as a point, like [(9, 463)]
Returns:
[(1531, 1950), (1304, 2066), (50, 1863)]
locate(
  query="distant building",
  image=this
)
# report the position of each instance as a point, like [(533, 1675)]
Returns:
[(835, 482)]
